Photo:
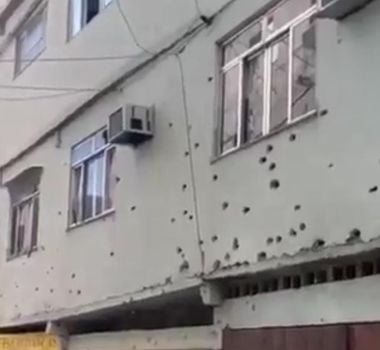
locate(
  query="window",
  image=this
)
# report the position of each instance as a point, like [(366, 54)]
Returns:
[(91, 185), (24, 195), (31, 40), (267, 75), (82, 12)]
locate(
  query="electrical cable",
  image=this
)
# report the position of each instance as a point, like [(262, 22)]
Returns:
[(130, 29), (71, 59), (191, 160), (39, 97)]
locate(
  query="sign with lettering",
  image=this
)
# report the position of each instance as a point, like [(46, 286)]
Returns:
[(30, 341)]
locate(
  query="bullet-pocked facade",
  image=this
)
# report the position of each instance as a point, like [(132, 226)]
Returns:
[(190, 175)]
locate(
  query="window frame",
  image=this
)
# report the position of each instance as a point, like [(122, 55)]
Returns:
[(265, 44), (106, 149), (41, 10), (31, 246), (103, 4)]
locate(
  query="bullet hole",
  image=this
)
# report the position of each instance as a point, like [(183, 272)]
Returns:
[(318, 243), (269, 148), (172, 220), (262, 160), (235, 244), (73, 275), (133, 208), (201, 242), (36, 289), (272, 166), (209, 79), (191, 217), (214, 238), (292, 232), (323, 112), (217, 264), (52, 291), (184, 266), (168, 280), (297, 207), (79, 292), (112, 253), (331, 165), (261, 256), (70, 291), (225, 205), (274, 184), (170, 125), (117, 178), (253, 307), (183, 255), (187, 153), (278, 239), (215, 177), (354, 236), (179, 250), (269, 240), (184, 187), (196, 145), (302, 226), (246, 210), (373, 189), (59, 213), (185, 212), (227, 257), (292, 137)]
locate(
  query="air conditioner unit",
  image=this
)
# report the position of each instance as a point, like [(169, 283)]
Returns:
[(131, 125), (338, 9)]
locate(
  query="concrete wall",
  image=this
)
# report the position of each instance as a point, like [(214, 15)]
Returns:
[(168, 339), (328, 170)]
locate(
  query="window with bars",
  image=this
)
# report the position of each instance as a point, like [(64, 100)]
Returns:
[(91, 185), (267, 75), (82, 12), (31, 40), (25, 204)]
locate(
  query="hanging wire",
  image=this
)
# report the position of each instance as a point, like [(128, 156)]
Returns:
[(130, 29)]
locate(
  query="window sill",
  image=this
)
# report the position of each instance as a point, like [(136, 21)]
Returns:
[(303, 119), (103, 215), (21, 254)]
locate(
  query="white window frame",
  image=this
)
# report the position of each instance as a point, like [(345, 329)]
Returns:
[(265, 45), (81, 16), (16, 208), (21, 63), (81, 163)]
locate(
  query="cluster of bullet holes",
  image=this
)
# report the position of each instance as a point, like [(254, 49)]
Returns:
[(235, 244), (306, 275), (271, 240)]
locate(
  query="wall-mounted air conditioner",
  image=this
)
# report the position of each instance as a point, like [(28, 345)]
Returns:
[(131, 125), (338, 9)]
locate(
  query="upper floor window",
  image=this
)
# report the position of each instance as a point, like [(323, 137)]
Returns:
[(24, 195), (31, 40), (267, 75), (91, 187), (82, 12)]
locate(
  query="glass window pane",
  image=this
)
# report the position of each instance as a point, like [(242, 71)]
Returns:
[(286, 12), (99, 184), (109, 184), (279, 84), (230, 109), (36, 209), (76, 15), (75, 195), (253, 98), (242, 42), (89, 189), (303, 79), (101, 139), (13, 241), (82, 150)]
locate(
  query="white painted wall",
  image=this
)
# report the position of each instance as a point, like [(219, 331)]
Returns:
[(334, 200)]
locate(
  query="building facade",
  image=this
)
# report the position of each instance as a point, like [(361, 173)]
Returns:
[(248, 217)]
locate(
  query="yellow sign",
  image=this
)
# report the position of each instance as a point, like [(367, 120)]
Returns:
[(30, 341)]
